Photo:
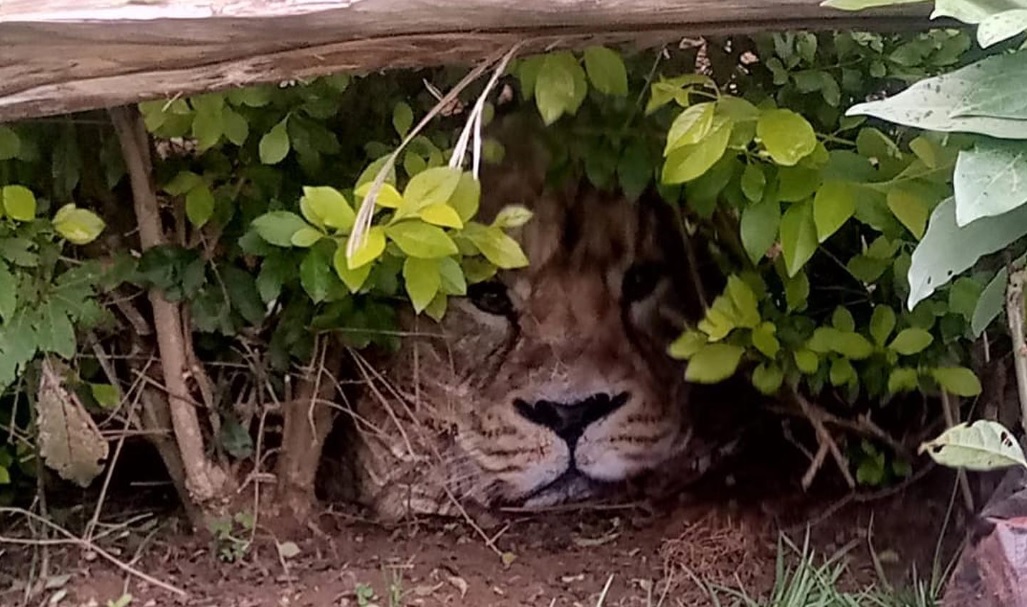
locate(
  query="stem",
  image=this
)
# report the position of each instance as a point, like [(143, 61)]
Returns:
[(1014, 314), (203, 480)]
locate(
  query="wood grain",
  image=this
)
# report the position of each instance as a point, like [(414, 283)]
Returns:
[(59, 56)]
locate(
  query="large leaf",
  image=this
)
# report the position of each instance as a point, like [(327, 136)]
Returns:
[(990, 179), (560, 86), (985, 98), (1000, 27), (982, 445), (947, 249), (69, 441), (606, 71), (690, 126)]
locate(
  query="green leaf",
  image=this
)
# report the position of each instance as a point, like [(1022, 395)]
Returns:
[(687, 344), (798, 236), (767, 378), (496, 246), (963, 296), (388, 196), (237, 130), (841, 372), (306, 237), (182, 182), (714, 363), (19, 202), (764, 340), (429, 187), (274, 145), (402, 118), (512, 216), (208, 126), (78, 226), (690, 126), (882, 323), (436, 308), (244, 295), (315, 274), (451, 276), (959, 381), (10, 143), (329, 207), (990, 303), (441, 215), (947, 250), (787, 136), (983, 445), (199, 205), (54, 331), (744, 303), (902, 379), (842, 320), (910, 209), (758, 228), (8, 295), (807, 361), (796, 291), (419, 239), (558, 86), (352, 278), (606, 70), (277, 227), (1002, 26), (990, 179), (851, 345), (833, 205), (422, 280), (753, 183), (911, 341), (5, 476), (691, 161), (984, 98)]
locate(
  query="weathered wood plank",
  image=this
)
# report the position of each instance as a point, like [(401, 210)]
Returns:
[(59, 56)]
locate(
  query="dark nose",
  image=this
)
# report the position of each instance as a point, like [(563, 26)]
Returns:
[(569, 420)]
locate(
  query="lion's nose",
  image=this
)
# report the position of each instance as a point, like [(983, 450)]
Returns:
[(569, 420)]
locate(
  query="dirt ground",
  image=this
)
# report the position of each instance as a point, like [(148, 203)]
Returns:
[(626, 555)]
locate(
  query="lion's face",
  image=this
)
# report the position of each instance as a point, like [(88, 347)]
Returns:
[(554, 379)]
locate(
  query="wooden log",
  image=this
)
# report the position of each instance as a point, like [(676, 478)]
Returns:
[(59, 56)]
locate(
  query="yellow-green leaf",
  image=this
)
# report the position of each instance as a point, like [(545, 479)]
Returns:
[(690, 162), (419, 239), (910, 209), (787, 136), (451, 275), (690, 126), (274, 145), (388, 196), (496, 246), (911, 341), (352, 278), (767, 378), (882, 323), (957, 380), (764, 340), (902, 379), (512, 216), (466, 197), (441, 215), (370, 249), (329, 208), (421, 277), (833, 205), (431, 186), (78, 226), (19, 202), (199, 205), (714, 363), (402, 118), (305, 237), (807, 361), (687, 344)]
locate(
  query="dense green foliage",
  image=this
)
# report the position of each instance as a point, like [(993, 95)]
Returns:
[(814, 216)]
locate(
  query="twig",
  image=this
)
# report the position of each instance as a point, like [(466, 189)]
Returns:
[(1014, 314), (951, 412), (816, 419), (70, 539)]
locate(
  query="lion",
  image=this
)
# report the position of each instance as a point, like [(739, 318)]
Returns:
[(547, 384)]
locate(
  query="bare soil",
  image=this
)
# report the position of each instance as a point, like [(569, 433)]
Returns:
[(632, 555)]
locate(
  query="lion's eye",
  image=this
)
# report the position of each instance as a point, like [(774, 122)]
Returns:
[(491, 297), (640, 281)]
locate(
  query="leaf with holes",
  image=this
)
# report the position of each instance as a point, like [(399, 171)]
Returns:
[(714, 363), (982, 445)]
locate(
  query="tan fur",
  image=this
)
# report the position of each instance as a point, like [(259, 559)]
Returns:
[(439, 427)]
